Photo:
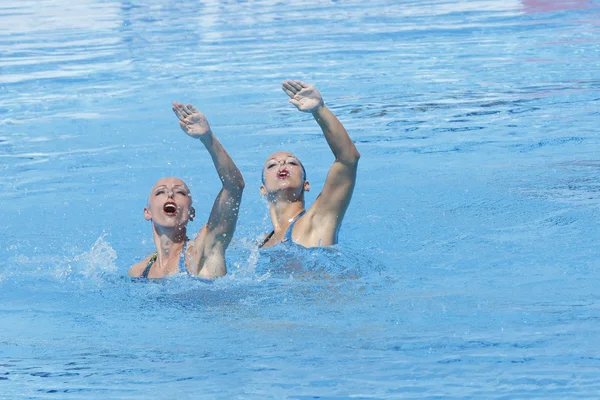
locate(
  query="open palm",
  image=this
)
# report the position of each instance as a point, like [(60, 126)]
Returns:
[(304, 96), (192, 121)]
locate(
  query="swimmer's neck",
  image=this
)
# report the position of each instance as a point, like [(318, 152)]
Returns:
[(283, 213), (169, 245)]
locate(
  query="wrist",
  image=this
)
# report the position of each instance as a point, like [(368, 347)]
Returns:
[(206, 137), (320, 108)]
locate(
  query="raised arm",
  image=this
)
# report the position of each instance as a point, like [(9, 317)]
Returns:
[(331, 205), (208, 255)]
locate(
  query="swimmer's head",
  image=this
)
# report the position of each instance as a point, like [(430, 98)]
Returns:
[(169, 203), (283, 171)]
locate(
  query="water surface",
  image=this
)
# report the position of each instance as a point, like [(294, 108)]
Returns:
[(468, 260)]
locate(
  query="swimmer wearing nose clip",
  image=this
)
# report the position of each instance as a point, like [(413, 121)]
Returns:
[(284, 180), (169, 209)]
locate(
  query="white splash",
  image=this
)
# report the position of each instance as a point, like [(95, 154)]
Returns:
[(96, 262)]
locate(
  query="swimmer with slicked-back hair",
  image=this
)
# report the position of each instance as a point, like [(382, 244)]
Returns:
[(169, 209), (284, 180)]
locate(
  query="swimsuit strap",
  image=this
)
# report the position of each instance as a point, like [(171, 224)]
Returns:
[(288, 232), (150, 263), (266, 239)]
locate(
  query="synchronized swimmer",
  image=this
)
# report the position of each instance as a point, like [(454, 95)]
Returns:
[(284, 182), (170, 209)]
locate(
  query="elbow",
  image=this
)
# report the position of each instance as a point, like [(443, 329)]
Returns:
[(356, 156), (240, 181), (351, 158), (240, 184), (236, 184), (235, 187)]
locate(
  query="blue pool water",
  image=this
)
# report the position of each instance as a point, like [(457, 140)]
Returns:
[(468, 263)]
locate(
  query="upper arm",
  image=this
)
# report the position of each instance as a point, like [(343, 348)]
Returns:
[(223, 216), (330, 207), (208, 254), (331, 204), (212, 263)]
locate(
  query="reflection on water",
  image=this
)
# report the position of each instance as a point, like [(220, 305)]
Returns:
[(32, 17), (537, 6)]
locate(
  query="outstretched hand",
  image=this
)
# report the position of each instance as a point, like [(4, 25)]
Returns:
[(304, 96), (192, 121)]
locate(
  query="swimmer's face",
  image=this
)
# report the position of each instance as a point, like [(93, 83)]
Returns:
[(169, 203), (283, 171)]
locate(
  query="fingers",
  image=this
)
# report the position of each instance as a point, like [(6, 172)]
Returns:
[(289, 88), (292, 87), (186, 110), (180, 110), (177, 110), (183, 126), (296, 85), (289, 92), (183, 111)]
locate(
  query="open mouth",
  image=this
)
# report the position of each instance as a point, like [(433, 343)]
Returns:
[(170, 208), (282, 174)]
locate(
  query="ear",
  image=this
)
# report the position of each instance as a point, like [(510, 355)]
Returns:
[(263, 190), (192, 213), (306, 186), (147, 213)]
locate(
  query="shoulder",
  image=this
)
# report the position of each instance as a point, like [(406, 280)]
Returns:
[(314, 229), (312, 220), (305, 221), (136, 270)]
